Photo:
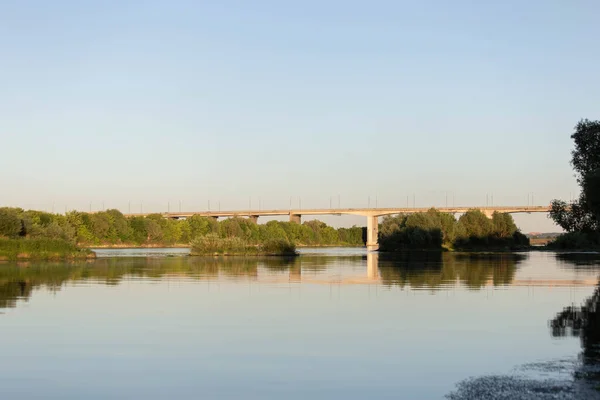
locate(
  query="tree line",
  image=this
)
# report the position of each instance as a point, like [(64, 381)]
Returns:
[(435, 230), (111, 227)]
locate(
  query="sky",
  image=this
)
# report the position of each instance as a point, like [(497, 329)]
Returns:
[(152, 103)]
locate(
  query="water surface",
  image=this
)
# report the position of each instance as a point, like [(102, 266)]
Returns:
[(332, 323)]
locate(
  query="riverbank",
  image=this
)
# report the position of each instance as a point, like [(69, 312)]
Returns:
[(41, 249), (188, 245)]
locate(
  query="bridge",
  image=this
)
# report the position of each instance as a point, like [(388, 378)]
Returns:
[(372, 214)]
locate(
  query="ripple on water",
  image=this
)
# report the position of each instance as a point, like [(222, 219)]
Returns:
[(528, 383)]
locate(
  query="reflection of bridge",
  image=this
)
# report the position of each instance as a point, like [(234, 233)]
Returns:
[(372, 214), (372, 277)]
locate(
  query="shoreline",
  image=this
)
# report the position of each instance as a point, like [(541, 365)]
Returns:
[(187, 246)]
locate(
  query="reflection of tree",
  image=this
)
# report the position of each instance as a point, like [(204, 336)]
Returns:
[(582, 322), (434, 269), (18, 281), (13, 290)]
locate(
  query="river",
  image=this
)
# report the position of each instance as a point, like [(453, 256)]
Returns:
[(332, 323)]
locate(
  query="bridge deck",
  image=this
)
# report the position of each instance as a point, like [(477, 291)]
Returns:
[(372, 212)]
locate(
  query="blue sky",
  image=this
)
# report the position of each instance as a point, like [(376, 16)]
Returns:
[(157, 102)]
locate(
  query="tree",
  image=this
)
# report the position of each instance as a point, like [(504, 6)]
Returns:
[(475, 225), (10, 223), (583, 215), (503, 225), (586, 155)]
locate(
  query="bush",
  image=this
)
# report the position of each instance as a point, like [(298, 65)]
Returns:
[(212, 244), (277, 247), (41, 249), (576, 241), (10, 223)]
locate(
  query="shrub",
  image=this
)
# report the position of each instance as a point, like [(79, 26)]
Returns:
[(576, 241), (277, 247)]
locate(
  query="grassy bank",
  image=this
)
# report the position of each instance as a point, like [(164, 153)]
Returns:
[(210, 245), (41, 249)]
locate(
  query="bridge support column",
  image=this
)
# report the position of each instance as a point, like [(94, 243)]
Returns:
[(372, 233), (296, 218), (253, 218)]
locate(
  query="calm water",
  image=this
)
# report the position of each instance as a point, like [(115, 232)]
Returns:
[(333, 323)]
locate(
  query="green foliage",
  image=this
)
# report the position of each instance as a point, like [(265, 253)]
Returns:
[(422, 231), (213, 244), (586, 154), (111, 227), (10, 223), (583, 215), (576, 241), (434, 230), (42, 249), (277, 247)]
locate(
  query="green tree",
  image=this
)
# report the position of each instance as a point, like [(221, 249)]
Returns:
[(475, 225), (10, 223), (583, 214), (503, 225)]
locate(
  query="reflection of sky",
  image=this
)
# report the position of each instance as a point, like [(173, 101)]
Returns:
[(248, 339)]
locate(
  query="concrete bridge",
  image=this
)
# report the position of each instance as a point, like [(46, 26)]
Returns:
[(372, 214)]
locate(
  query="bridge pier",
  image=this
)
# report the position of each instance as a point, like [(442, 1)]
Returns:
[(253, 218), (372, 233), (296, 218)]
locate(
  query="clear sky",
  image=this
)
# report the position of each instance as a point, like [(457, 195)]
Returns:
[(228, 101)]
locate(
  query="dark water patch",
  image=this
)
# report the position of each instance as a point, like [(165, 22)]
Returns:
[(499, 387)]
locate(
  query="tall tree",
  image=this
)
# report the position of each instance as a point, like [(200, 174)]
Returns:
[(583, 214)]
